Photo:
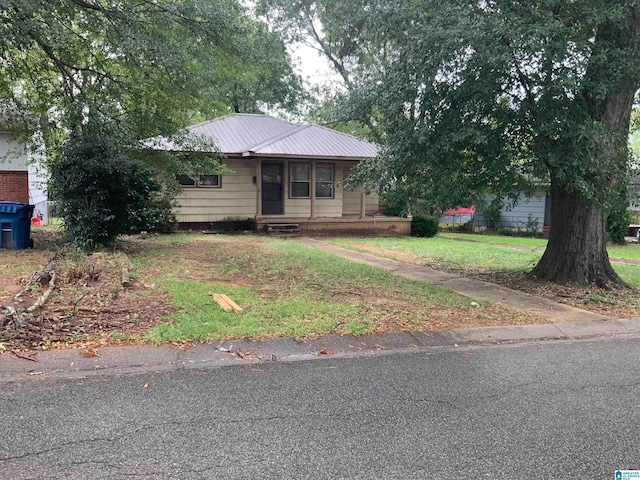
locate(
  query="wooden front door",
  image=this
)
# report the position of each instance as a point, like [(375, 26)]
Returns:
[(272, 189)]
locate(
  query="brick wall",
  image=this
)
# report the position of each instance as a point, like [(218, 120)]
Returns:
[(14, 186)]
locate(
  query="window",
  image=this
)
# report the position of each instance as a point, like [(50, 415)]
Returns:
[(300, 180), (209, 181), (324, 181), (185, 180), (199, 181)]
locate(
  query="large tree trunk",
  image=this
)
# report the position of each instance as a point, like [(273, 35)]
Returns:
[(576, 252)]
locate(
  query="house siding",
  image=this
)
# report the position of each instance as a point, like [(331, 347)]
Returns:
[(237, 197), (518, 217), (351, 198)]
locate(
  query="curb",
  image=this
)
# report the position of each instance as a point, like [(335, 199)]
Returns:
[(146, 358)]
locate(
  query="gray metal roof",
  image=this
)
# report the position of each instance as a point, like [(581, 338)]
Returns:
[(251, 134)]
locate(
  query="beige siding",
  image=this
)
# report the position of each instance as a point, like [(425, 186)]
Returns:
[(236, 197), (351, 199)]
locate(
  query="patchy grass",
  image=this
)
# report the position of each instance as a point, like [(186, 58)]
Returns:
[(496, 239), (505, 260), (450, 254), (288, 289), (285, 288)]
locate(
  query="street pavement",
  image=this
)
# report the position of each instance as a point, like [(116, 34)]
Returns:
[(556, 400), (530, 409)]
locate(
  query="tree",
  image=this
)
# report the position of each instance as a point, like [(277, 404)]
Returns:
[(263, 78), (135, 68), (340, 32), (498, 96), (153, 63)]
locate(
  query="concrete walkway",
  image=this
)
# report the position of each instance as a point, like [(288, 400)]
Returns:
[(551, 311)]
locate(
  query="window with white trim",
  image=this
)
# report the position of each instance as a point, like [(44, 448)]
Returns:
[(324, 180)]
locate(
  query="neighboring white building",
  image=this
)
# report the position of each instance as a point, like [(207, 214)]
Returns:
[(16, 157)]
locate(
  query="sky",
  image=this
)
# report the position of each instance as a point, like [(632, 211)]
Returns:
[(312, 67)]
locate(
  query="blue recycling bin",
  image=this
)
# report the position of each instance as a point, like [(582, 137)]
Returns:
[(15, 225)]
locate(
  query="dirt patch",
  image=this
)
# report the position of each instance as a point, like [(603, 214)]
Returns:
[(393, 254), (88, 305)]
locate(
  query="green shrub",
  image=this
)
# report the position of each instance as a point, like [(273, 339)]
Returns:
[(166, 221), (424, 226), (101, 192)]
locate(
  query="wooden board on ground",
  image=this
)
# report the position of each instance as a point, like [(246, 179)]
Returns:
[(226, 303)]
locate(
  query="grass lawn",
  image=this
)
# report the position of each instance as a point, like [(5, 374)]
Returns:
[(288, 289), (505, 260), (627, 252)]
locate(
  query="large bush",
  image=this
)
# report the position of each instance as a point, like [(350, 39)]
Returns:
[(424, 225), (101, 192)]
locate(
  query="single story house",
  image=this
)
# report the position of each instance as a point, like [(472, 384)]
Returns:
[(282, 173)]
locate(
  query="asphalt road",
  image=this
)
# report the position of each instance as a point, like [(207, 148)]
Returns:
[(541, 410)]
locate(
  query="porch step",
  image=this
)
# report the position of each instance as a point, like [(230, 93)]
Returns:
[(283, 229)]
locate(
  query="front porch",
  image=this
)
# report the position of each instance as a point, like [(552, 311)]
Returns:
[(345, 225)]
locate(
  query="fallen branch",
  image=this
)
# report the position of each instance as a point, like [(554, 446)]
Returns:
[(45, 296), (24, 357)]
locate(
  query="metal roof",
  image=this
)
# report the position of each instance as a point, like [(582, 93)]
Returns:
[(251, 134)]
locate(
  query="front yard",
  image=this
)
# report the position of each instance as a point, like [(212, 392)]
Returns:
[(505, 261), (284, 287)]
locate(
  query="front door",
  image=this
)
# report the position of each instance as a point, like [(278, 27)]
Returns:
[(272, 189)]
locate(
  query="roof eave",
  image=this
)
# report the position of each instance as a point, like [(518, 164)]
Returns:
[(303, 157)]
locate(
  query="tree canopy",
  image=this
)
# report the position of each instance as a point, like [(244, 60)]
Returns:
[(146, 64), (126, 70), (475, 97)]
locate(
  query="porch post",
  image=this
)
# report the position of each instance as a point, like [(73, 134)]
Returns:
[(258, 187), (363, 209), (313, 190)]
